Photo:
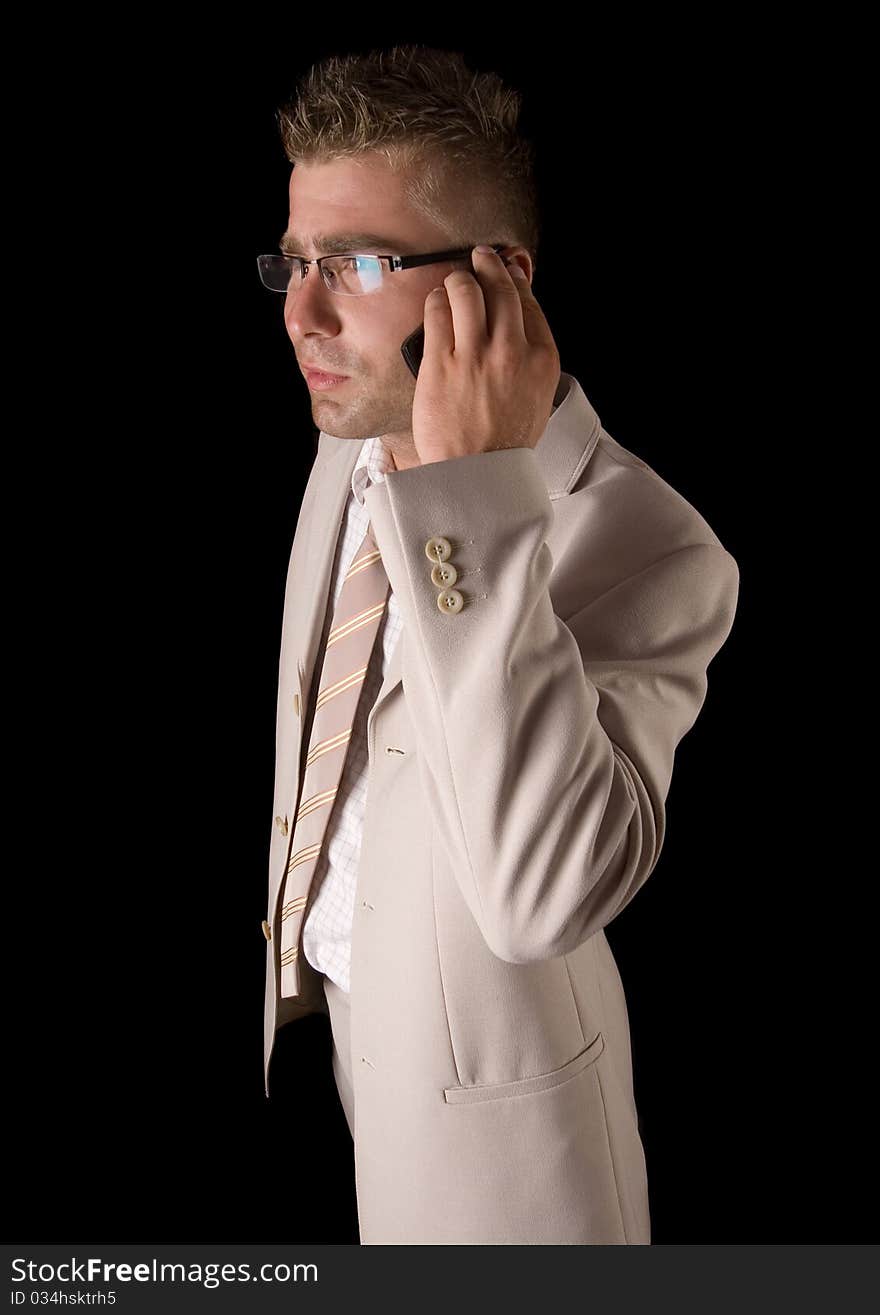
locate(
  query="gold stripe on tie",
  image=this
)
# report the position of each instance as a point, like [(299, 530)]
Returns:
[(355, 623), (355, 678), (362, 563), (317, 801), (293, 906), (342, 738), (356, 619), (303, 856)]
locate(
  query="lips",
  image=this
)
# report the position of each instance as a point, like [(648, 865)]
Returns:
[(322, 374)]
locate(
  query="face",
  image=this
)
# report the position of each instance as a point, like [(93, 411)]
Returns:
[(361, 336)]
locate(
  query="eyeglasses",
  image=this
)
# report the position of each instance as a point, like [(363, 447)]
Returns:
[(350, 275)]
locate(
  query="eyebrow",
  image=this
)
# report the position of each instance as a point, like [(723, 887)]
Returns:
[(338, 243)]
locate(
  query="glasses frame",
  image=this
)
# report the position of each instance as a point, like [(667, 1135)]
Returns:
[(395, 263)]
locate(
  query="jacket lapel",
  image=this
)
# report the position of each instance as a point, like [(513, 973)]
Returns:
[(313, 577), (306, 599)]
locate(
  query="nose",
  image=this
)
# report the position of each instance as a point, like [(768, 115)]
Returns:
[(310, 305)]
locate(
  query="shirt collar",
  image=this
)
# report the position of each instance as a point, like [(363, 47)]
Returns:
[(371, 467)]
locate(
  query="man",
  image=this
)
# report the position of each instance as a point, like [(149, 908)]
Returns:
[(496, 796)]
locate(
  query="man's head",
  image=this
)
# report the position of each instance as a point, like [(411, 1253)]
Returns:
[(411, 146)]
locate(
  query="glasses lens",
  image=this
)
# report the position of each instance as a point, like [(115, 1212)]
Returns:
[(349, 275), (353, 275), (278, 272)]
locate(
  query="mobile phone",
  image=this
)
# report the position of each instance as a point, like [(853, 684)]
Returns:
[(413, 347)]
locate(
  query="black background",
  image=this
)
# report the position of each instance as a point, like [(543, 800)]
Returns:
[(165, 447)]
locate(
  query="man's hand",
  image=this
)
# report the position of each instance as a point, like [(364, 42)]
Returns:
[(490, 367)]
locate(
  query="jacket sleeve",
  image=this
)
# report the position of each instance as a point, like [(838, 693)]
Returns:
[(546, 745)]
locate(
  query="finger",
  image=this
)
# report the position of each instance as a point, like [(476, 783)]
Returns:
[(503, 310), (535, 326), (467, 304), (439, 332)]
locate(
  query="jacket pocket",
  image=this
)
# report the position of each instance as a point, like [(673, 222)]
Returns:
[(526, 1086)]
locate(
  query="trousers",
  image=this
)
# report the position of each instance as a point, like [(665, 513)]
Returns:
[(339, 1005)]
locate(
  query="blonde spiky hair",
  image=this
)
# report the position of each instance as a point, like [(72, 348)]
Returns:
[(451, 132)]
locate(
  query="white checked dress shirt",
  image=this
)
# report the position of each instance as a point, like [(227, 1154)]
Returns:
[(327, 928)]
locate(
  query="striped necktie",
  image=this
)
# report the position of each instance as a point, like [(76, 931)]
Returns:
[(356, 618)]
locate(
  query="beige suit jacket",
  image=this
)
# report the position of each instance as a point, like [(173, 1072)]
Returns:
[(520, 755)]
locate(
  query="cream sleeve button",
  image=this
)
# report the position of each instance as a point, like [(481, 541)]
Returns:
[(438, 549), (267, 930), (281, 823), (444, 574), (450, 601)]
